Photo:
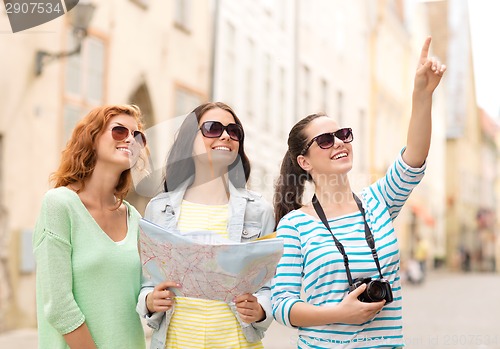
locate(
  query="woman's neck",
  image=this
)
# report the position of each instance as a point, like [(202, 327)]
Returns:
[(99, 190), (210, 191), (335, 195)]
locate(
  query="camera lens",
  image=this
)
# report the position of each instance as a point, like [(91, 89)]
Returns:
[(375, 291)]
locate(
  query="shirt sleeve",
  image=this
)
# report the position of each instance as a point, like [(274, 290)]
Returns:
[(397, 184), (264, 294), (287, 282), (268, 223), (52, 248)]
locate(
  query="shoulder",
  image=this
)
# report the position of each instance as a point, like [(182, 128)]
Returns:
[(246, 193), (257, 208), (131, 210), (159, 200), (59, 197), (251, 193), (59, 192), (255, 199), (290, 226), (251, 196), (157, 205), (56, 215), (293, 219)]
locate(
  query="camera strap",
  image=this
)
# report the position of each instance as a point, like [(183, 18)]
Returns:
[(368, 235)]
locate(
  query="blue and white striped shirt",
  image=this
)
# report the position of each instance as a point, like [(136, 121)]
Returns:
[(312, 264)]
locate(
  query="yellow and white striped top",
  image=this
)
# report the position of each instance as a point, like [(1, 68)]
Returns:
[(200, 323)]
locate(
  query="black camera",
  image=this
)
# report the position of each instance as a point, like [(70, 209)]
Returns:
[(376, 290)]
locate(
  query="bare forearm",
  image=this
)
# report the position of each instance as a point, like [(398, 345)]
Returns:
[(419, 130), (427, 78), (305, 315), (80, 338), (349, 311)]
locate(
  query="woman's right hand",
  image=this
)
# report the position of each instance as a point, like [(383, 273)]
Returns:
[(161, 298), (352, 311)]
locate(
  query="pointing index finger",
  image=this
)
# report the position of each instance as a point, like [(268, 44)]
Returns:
[(425, 50)]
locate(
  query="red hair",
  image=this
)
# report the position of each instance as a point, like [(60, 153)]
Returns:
[(79, 158)]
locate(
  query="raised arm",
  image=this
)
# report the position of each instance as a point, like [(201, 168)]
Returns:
[(427, 78)]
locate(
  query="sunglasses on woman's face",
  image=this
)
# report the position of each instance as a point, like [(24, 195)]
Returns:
[(214, 129), (121, 133), (326, 140)]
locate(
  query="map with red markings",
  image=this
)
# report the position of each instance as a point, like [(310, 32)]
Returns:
[(216, 270)]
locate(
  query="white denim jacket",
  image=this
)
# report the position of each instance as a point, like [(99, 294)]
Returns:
[(250, 217)]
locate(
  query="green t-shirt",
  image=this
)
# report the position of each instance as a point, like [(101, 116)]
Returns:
[(84, 276)]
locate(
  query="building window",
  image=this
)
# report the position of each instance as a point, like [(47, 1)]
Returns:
[(362, 135), (72, 114), (95, 71), (268, 6), (340, 107), (229, 64), (85, 73), (141, 3), (182, 10), (397, 7), (2, 166), (84, 84), (73, 75), (282, 13), (250, 80), (282, 100), (268, 90), (306, 85), (324, 95), (340, 34), (185, 101)]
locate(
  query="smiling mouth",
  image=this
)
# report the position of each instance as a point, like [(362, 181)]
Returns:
[(125, 150), (340, 156), (221, 148)]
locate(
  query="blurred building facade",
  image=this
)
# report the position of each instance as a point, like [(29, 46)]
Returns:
[(471, 149), (397, 34), (487, 246), (254, 72), (278, 61), (153, 53), (274, 61)]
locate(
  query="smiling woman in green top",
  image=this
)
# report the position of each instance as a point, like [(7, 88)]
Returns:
[(85, 240)]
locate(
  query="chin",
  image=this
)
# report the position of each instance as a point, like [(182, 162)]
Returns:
[(224, 156)]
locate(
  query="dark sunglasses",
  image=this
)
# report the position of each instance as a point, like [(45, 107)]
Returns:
[(214, 129), (121, 133), (326, 140)]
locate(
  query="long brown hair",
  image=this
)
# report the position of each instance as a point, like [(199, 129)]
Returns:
[(290, 184), (78, 159)]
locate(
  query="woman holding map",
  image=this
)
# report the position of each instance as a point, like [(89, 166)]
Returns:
[(204, 190)]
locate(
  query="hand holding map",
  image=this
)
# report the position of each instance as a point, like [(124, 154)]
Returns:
[(217, 270)]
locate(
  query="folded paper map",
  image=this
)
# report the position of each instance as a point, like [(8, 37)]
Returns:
[(206, 265)]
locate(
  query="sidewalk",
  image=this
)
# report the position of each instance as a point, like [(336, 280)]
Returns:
[(25, 339), (449, 310)]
